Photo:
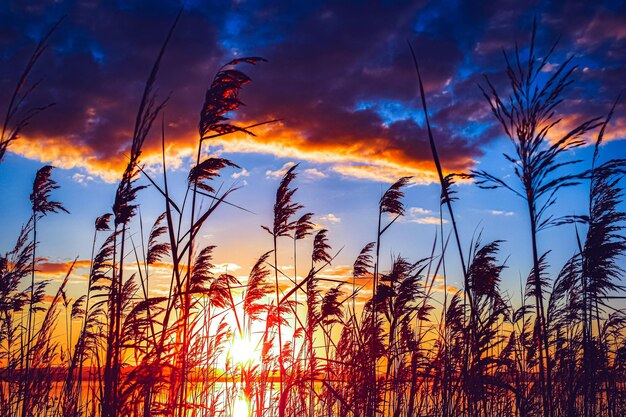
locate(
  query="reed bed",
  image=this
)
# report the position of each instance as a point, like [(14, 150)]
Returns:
[(380, 342)]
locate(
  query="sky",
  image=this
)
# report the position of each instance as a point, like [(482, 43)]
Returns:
[(339, 77)]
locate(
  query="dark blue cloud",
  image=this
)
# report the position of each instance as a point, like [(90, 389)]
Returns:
[(339, 73)]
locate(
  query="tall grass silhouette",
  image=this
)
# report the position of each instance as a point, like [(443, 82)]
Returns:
[(377, 342)]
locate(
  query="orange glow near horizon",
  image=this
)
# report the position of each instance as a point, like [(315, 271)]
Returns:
[(241, 407)]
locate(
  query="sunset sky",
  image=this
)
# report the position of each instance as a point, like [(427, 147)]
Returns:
[(339, 76)]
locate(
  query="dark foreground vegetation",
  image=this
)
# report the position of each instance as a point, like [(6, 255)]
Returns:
[(396, 351)]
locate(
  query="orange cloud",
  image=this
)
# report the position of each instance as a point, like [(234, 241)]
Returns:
[(49, 268), (614, 131), (48, 298), (338, 271), (378, 159), (64, 153), (450, 288)]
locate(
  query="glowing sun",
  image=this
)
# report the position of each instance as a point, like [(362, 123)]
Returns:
[(244, 351)]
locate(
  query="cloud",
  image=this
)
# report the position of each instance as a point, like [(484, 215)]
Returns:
[(428, 220), (98, 77), (58, 268), (330, 218), (614, 131), (225, 268), (337, 272), (279, 173), (243, 173), (421, 215), (344, 87), (82, 179), (451, 289), (413, 211), (604, 26), (221, 268), (550, 67), (501, 213), (50, 298), (384, 172), (313, 174)]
